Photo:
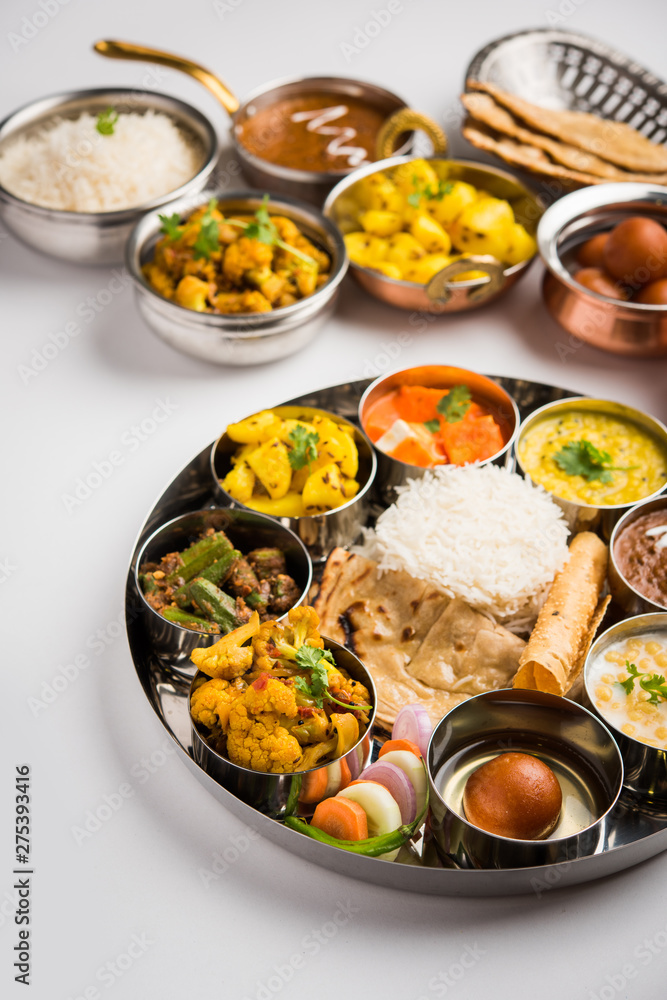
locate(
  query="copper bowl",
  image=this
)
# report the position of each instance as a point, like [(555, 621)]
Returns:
[(627, 328), (392, 472), (442, 294)]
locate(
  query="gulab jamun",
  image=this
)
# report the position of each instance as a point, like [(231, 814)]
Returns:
[(513, 795)]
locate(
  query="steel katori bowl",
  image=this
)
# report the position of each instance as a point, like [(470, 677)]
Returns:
[(442, 294), (392, 472), (632, 600), (280, 795), (581, 516), (246, 530), (320, 533), (233, 338), (645, 765), (626, 328), (96, 237), (572, 741)]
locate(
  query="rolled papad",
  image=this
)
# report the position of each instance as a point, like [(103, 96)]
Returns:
[(556, 649)]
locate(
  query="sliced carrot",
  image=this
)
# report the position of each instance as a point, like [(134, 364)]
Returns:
[(417, 404), (345, 774), (314, 785), (390, 745), (341, 818)]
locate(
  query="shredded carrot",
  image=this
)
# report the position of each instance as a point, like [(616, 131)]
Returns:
[(399, 745), (341, 818)]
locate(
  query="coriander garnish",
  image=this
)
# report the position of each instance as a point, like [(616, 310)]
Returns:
[(304, 448), (654, 684), (581, 458), (455, 404), (106, 121)]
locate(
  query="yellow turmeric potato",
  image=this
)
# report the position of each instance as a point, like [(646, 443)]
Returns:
[(381, 223), (271, 465), (324, 489), (388, 269), (483, 227), (423, 270), (365, 249), (291, 505), (430, 234), (240, 482), (521, 245), (404, 249), (256, 429), (335, 445), (417, 174), (459, 195), (378, 192)]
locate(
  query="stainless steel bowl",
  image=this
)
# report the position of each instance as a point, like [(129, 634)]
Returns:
[(312, 185), (279, 795), (96, 237), (233, 339), (442, 294), (320, 533), (645, 766), (570, 739), (627, 596), (627, 328), (246, 530), (393, 473), (582, 516)]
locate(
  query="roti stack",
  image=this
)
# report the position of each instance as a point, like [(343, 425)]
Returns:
[(573, 146)]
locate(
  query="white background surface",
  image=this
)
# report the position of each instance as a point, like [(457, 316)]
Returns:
[(64, 571)]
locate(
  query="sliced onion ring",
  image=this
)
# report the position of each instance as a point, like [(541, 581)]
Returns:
[(413, 723), (398, 784)]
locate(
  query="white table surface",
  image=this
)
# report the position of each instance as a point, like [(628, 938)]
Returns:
[(130, 908)]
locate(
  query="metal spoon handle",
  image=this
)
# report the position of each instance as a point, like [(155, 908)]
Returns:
[(126, 50)]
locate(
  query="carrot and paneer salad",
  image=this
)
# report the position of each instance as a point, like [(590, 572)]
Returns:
[(427, 427), (235, 263)]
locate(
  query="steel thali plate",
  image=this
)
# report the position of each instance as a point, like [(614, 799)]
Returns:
[(632, 834)]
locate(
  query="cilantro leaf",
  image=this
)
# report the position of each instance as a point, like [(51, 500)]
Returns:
[(106, 121), (207, 238), (581, 458), (304, 448), (654, 684), (315, 659), (428, 191), (455, 404), (170, 225), (432, 425), (263, 228)]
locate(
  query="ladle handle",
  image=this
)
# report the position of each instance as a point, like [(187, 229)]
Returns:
[(126, 50), (408, 120)]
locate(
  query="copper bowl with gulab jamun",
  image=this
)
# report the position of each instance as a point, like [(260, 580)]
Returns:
[(605, 250)]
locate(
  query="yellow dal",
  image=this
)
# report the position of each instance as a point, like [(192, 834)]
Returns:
[(625, 441)]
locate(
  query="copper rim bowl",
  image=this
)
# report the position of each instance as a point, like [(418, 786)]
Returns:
[(552, 728), (246, 530), (320, 533), (627, 328), (392, 472), (581, 516), (442, 294), (645, 765), (280, 795), (231, 338), (96, 237)]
